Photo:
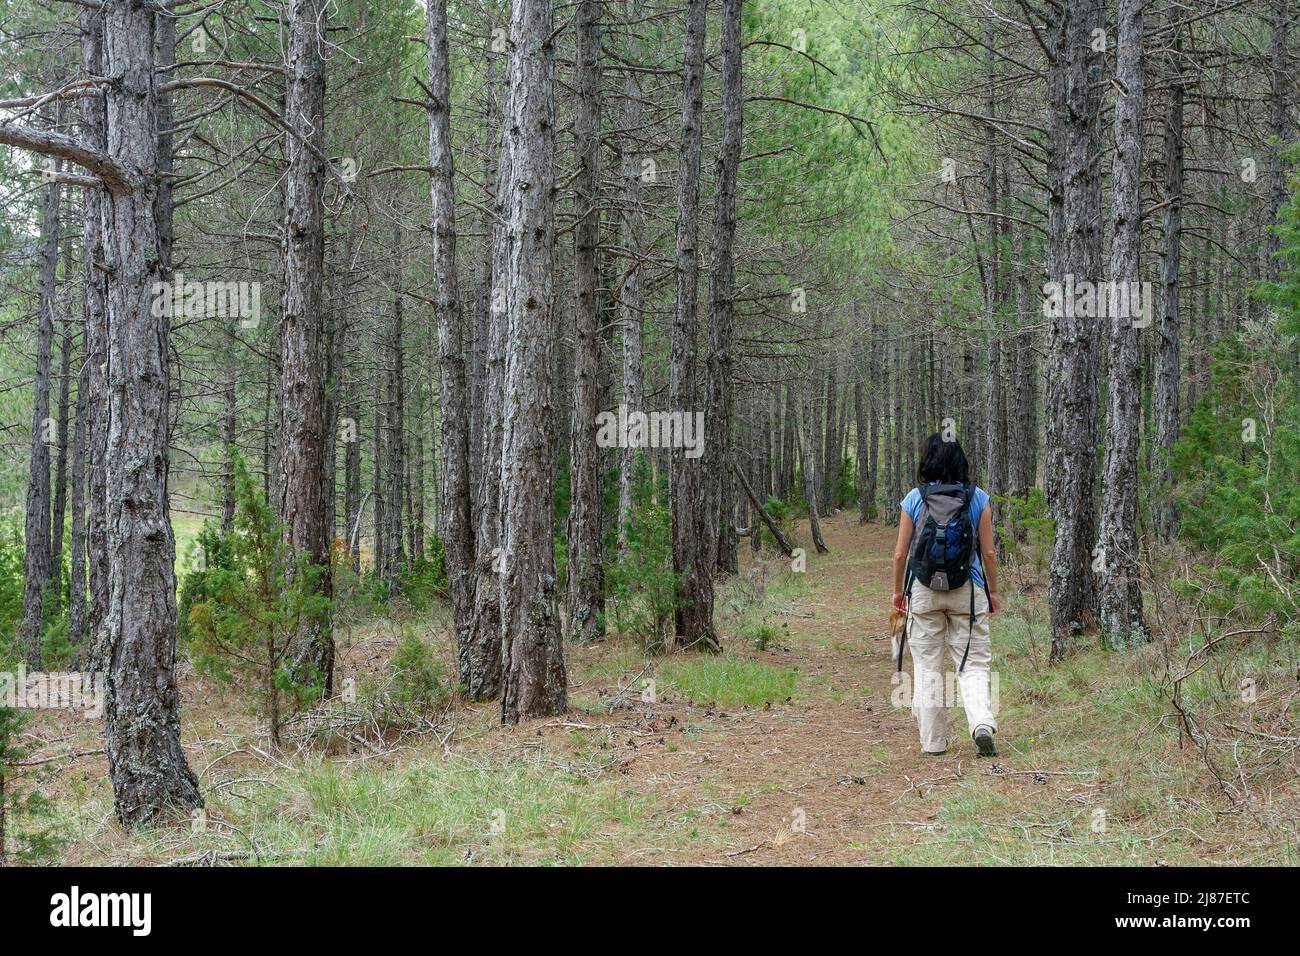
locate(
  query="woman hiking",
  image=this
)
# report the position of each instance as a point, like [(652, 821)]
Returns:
[(946, 585)]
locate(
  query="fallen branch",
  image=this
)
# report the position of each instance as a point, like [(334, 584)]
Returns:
[(767, 518), (71, 755)]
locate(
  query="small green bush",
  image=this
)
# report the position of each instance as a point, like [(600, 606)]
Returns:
[(256, 608), (641, 587), (784, 515), (415, 675)]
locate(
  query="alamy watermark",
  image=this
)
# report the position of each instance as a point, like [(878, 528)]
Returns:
[(56, 690), (626, 429), (936, 689), (214, 300), (1081, 298)]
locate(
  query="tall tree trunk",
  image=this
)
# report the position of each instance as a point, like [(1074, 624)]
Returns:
[(1168, 358), (229, 431), (995, 433), (631, 298), (789, 437), (300, 459), (480, 659), (1120, 591), (718, 527), (586, 572), (864, 428), (1074, 226), (830, 467), (38, 562), (61, 453), (694, 615), (77, 563), (455, 524), (808, 466), (899, 478), (94, 131), (415, 461), (534, 682), (395, 426), (761, 451), (332, 349), (142, 716), (352, 482), (1281, 129), (1023, 472), (379, 487)]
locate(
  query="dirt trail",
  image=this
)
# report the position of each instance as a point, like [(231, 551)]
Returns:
[(823, 778)]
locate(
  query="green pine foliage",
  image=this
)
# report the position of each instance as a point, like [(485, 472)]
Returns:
[(640, 582), (254, 607), (11, 580), (1238, 461)]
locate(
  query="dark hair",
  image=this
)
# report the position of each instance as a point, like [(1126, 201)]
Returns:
[(942, 460)]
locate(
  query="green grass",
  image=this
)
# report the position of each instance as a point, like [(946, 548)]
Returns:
[(729, 681), (1102, 717), (441, 812), (186, 528)]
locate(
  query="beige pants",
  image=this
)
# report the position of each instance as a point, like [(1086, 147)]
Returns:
[(939, 620)]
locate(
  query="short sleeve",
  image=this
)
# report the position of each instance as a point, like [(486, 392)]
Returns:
[(911, 503)]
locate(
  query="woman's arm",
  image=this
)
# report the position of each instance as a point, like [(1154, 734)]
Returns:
[(989, 559), (900, 559)]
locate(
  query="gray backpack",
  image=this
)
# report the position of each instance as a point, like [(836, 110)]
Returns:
[(945, 543)]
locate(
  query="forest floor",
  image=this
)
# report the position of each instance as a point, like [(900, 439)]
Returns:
[(788, 755)]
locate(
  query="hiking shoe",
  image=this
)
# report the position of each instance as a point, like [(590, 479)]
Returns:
[(984, 742), (934, 753)]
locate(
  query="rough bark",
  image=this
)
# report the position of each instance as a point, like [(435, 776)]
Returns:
[(379, 459), (694, 615), (300, 458), (61, 452), (350, 416), (789, 436), (808, 467), (717, 525), (631, 296), (1120, 596), (830, 469), (534, 682), (864, 434), (480, 659), (586, 568), (332, 351), (1024, 423), (1074, 227), (1164, 517), (415, 468), (229, 424), (455, 514), (94, 133), (394, 548), (77, 561), (38, 562), (147, 764), (899, 478), (1280, 128)]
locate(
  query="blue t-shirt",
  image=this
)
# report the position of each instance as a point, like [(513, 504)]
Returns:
[(978, 502)]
